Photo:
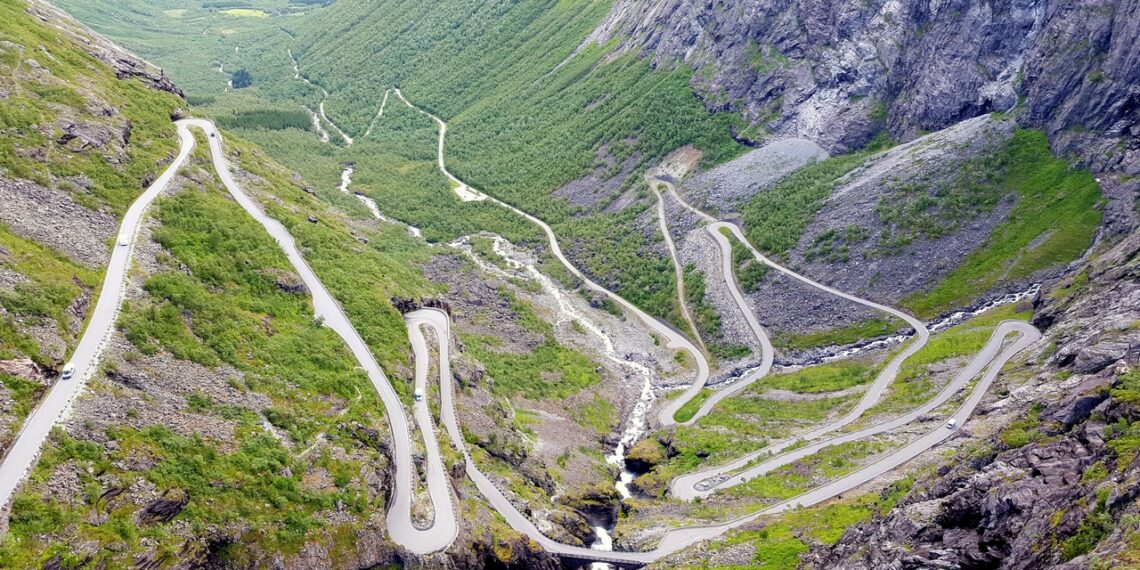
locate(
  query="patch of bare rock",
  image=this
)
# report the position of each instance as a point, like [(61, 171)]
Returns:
[(53, 219)]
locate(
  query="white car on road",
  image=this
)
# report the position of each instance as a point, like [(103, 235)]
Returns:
[(68, 371)]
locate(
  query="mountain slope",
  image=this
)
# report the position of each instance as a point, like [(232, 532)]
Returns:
[(224, 425), (227, 428), (1056, 489), (575, 101), (837, 71), (82, 131)]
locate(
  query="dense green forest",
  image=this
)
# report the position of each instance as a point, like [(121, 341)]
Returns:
[(519, 127)]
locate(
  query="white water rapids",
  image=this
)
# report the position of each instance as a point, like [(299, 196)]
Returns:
[(939, 325)]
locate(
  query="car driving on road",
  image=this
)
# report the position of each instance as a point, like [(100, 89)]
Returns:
[(68, 371), (952, 423)]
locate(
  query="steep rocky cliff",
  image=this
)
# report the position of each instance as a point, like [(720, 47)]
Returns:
[(837, 72)]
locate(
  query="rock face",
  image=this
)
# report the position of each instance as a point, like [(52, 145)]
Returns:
[(646, 454), (24, 368), (164, 508), (995, 512), (1062, 501), (835, 71), (54, 219)]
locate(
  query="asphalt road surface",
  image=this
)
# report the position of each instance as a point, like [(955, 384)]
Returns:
[(445, 527), (57, 402), (24, 450), (677, 539)]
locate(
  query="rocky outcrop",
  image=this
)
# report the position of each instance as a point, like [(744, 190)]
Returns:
[(998, 510), (598, 504), (25, 368), (164, 509), (54, 219), (646, 454), (468, 373), (1064, 499), (1093, 331), (287, 281), (515, 553), (125, 64)]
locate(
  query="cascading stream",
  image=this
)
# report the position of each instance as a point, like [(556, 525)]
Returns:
[(567, 312), (318, 116), (346, 181), (935, 326), (990, 360)]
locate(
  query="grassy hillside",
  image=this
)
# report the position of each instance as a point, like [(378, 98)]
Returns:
[(52, 84), (222, 422), (528, 110), (1055, 215), (219, 298), (46, 289), (531, 106), (1051, 225), (224, 425)]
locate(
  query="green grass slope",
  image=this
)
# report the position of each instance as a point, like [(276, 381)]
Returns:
[(531, 107), (1051, 225), (49, 83)]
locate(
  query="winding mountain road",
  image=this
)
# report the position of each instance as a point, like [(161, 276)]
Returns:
[(673, 338), (56, 404), (885, 377), (705, 482), (701, 484), (379, 114), (24, 450), (677, 539), (679, 270), (444, 530)]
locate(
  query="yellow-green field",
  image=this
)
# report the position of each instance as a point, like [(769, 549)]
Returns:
[(246, 13)]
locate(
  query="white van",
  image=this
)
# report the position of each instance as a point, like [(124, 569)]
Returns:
[(68, 371), (952, 423), (419, 395)]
